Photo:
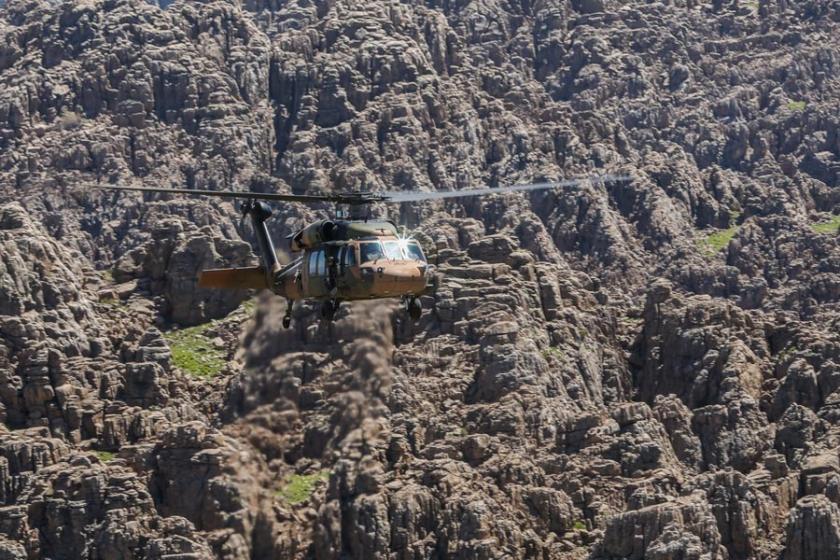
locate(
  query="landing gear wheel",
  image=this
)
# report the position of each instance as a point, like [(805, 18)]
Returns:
[(287, 321), (328, 309), (414, 308)]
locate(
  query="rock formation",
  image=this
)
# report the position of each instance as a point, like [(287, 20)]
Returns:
[(644, 369)]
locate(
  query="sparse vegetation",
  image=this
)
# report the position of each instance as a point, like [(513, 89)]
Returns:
[(579, 525), (829, 227), (717, 240), (299, 487), (796, 105), (458, 432), (249, 305), (557, 353), (105, 456), (720, 239), (193, 352), (785, 353)]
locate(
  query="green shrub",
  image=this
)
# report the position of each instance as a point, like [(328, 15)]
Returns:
[(579, 525), (194, 353), (299, 487), (796, 105)]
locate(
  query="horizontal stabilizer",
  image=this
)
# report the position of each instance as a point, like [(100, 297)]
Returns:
[(234, 278)]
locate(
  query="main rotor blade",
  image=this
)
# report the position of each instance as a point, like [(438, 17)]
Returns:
[(232, 194), (397, 196), (361, 198)]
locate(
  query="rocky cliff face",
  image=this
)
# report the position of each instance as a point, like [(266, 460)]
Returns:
[(645, 369)]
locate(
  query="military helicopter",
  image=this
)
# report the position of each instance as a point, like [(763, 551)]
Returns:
[(351, 257)]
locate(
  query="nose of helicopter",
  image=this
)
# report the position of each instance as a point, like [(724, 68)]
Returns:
[(400, 280)]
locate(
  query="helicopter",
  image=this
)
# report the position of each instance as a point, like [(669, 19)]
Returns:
[(346, 258)]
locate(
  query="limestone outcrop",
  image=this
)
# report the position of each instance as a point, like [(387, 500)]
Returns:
[(606, 370)]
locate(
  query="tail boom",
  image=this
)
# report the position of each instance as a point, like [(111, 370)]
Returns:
[(249, 278)]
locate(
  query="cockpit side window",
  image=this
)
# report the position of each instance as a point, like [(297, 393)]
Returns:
[(371, 251), (414, 252)]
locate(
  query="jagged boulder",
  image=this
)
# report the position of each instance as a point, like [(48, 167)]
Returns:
[(682, 529), (170, 263), (813, 530), (620, 369)]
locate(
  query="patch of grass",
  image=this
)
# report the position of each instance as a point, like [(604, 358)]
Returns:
[(107, 275), (579, 525), (717, 240), (105, 456), (299, 487), (796, 106), (830, 227), (110, 301), (721, 239), (194, 353)]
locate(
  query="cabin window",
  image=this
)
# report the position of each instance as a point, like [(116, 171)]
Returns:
[(392, 251), (371, 251), (313, 263), (317, 263), (322, 263), (413, 251)]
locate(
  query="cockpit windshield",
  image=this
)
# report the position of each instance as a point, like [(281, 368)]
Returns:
[(371, 251), (392, 250), (397, 250), (413, 251)]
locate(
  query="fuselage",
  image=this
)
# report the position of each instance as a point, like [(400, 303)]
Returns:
[(351, 260)]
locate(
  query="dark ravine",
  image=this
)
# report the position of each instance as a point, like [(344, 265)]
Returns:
[(640, 370)]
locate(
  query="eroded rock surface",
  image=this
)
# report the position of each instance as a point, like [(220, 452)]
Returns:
[(645, 369)]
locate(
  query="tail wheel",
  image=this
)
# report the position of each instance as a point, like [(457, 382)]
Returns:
[(415, 309)]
